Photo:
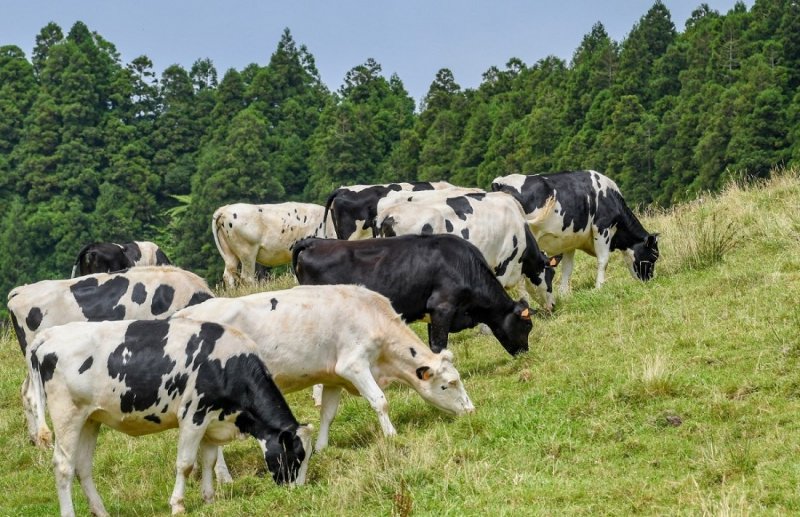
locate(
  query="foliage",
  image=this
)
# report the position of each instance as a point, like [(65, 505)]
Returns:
[(95, 149), (675, 397)]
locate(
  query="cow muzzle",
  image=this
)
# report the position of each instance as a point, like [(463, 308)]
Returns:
[(644, 270)]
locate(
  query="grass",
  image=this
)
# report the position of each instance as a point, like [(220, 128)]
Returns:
[(675, 397)]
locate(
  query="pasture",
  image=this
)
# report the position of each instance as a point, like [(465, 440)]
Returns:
[(679, 396)]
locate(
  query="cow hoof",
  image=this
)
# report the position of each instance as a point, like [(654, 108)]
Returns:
[(178, 509), (44, 439)]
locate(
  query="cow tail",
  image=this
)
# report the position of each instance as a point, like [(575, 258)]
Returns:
[(299, 247), (328, 204), (81, 256), (545, 212), (217, 224), (34, 384)]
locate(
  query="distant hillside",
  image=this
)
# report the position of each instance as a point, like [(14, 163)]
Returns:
[(679, 396)]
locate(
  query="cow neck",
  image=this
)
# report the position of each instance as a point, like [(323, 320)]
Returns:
[(267, 407), (492, 306), (629, 229), (400, 363)]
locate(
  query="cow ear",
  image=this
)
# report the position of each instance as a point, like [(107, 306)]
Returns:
[(523, 310), (424, 373), (555, 260), (652, 240)]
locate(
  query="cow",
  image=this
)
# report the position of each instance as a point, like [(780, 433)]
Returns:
[(142, 377), (142, 293), (443, 277), (340, 336), (248, 234), (353, 208), (591, 215), (108, 257), (494, 222)]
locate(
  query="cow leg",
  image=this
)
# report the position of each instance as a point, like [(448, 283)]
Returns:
[(316, 394), (29, 407), (208, 455), (330, 404), (68, 425), (231, 273), (567, 263), (83, 467), (248, 270), (188, 442), (602, 252), (360, 376), (439, 327), (221, 468)]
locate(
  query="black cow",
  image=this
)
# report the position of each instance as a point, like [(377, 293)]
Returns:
[(353, 208), (590, 215), (494, 222), (441, 276), (108, 257)]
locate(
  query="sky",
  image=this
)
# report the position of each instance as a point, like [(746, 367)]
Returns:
[(410, 38)]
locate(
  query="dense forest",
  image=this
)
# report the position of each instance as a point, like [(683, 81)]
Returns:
[(92, 148)]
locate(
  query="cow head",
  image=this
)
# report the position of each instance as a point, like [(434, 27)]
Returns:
[(641, 257), (539, 269), (547, 299), (440, 385), (513, 330), (286, 454)]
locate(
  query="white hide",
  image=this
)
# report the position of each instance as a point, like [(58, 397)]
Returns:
[(246, 234)]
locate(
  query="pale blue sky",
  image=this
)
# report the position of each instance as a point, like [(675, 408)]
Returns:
[(413, 38)]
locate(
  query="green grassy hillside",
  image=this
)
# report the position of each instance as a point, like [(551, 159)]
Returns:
[(679, 396)]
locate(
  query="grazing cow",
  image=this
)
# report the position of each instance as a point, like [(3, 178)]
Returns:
[(142, 377), (249, 234), (341, 336), (441, 276), (590, 215), (108, 257), (494, 222), (353, 209), (142, 293)]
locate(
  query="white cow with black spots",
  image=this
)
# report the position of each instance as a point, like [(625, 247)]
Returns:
[(144, 377), (246, 234), (590, 215), (143, 293)]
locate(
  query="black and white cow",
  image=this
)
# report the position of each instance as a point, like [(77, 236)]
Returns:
[(353, 208), (341, 336), (248, 234), (142, 293), (144, 377), (441, 276), (494, 222), (108, 257), (590, 215)]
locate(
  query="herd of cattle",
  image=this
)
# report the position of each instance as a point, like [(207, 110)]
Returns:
[(142, 346)]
